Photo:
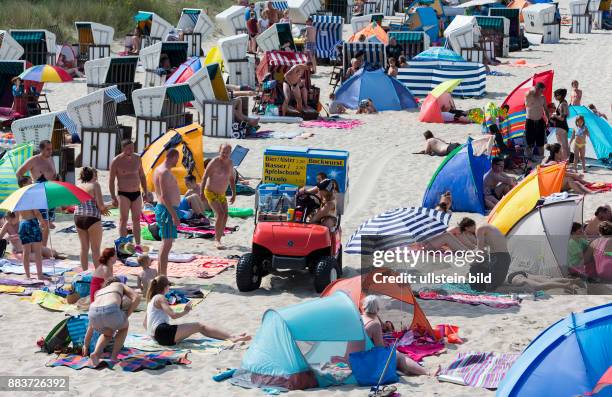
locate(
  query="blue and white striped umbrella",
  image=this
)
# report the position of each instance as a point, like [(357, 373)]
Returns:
[(395, 228), (439, 54)]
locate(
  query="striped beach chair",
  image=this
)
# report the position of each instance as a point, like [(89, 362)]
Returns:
[(423, 76), (329, 34), (375, 54), (413, 42)]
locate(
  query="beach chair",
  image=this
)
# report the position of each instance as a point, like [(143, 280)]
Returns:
[(517, 42), (119, 72), (159, 109), (277, 5), (11, 108), (150, 57), (413, 42), (94, 41), (541, 22), (239, 65), (154, 28), (497, 30), (301, 10), (374, 54), (329, 34), (339, 8), (38, 45), (232, 20), (195, 26), (10, 49), (101, 134), (581, 19), (276, 37)]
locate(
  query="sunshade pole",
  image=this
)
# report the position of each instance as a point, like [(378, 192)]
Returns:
[(382, 375)]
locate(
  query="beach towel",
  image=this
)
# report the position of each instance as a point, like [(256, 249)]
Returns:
[(499, 302), (478, 369), (340, 124), (12, 289), (414, 344), (130, 360), (23, 283), (106, 225), (14, 267), (599, 187), (521, 63), (50, 301), (280, 134), (202, 344), (201, 266)]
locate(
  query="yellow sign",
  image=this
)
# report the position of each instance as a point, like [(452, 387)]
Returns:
[(285, 169)]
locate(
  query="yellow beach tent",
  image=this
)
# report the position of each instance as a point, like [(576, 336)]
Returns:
[(214, 56)]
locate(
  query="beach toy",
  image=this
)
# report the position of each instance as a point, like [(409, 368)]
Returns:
[(224, 375)]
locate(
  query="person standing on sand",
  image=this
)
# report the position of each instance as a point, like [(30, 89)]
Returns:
[(42, 169), (576, 96), (169, 196), (217, 176), (127, 170), (311, 43), (535, 126)]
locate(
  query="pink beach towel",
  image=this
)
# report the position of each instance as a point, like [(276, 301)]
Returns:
[(201, 266), (340, 124), (500, 302), (478, 369)]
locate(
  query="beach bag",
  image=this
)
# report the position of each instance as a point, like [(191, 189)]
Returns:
[(367, 366), (58, 338), (154, 230), (239, 130), (82, 285), (77, 327)]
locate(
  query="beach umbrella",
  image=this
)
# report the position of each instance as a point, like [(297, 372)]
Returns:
[(185, 71), (445, 86), (44, 195), (45, 74), (439, 54), (395, 228), (436, 100)]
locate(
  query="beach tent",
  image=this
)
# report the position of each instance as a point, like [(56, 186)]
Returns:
[(373, 33), (276, 37), (519, 201), (150, 58), (119, 72), (196, 26), (190, 145), (94, 40), (358, 287), (153, 27), (425, 19), (374, 54), (413, 43), (599, 144), (516, 101), (10, 162), (329, 34), (185, 71), (386, 92), (437, 65), (438, 99), (293, 343), (460, 173), (566, 359), (604, 381), (40, 127), (10, 49), (38, 45), (538, 243)]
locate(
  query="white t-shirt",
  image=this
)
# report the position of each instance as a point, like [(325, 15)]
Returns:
[(155, 316)]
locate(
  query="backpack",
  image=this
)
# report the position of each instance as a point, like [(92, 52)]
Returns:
[(58, 338)]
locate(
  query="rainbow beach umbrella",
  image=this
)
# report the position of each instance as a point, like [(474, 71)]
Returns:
[(45, 74), (44, 195)]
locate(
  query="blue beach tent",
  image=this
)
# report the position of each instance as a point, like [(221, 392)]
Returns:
[(565, 360), (386, 92), (599, 144), (461, 174), (293, 342)]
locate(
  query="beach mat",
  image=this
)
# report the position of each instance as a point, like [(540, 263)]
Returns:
[(463, 293), (206, 345), (22, 283), (478, 369), (340, 124), (14, 267), (15, 290), (201, 267), (130, 360), (50, 301)]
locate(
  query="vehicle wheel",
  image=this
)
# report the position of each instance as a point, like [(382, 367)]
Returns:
[(248, 273), (326, 272)]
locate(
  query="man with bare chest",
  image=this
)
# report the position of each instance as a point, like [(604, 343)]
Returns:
[(127, 170), (217, 176), (168, 197), (42, 169), (294, 87)]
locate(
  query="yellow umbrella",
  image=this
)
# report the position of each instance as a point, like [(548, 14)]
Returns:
[(445, 86)]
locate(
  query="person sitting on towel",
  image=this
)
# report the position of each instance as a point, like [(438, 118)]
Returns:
[(496, 183), (295, 89), (436, 146), (192, 199)]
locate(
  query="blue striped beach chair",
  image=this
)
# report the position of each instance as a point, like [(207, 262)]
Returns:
[(423, 76), (329, 34), (375, 54)]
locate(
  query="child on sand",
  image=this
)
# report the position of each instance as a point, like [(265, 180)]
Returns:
[(366, 106), (402, 62), (11, 229), (310, 44), (30, 235), (159, 313), (147, 274), (103, 271), (192, 199), (392, 71), (335, 107), (579, 137), (576, 96)]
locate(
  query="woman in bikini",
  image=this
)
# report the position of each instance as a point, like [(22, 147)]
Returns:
[(558, 120), (107, 318), (572, 180), (579, 137), (576, 96), (102, 271), (88, 217)]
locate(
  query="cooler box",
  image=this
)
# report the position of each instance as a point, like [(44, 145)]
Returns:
[(231, 20), (578, 7), (300, 10), (288, 190), (299, 166)]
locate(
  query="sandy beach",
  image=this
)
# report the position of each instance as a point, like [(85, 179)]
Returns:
[(383, 175)]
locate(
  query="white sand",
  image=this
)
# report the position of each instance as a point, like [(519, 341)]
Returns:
[(383, 175)]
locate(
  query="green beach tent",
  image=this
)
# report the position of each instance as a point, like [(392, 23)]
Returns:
[(9, 164)]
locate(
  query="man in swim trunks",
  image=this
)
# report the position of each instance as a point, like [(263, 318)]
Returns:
[(294, 88), (436, 146), (169, 197), (126, 168), (217, 176), (42, 168), (496, 183), (535, 126)]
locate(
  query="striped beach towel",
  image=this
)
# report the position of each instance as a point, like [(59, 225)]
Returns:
[(478, 369), (130, 360)]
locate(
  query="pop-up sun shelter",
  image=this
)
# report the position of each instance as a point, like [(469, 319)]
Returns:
[(159, 109), (519, 201), (119, 72), (154, 28), (293, 343), (10, 49), (150, 57), (38, 45), (599, 143), (94, 40), (460, 173), (189, 143), (386, 92), (566, 359), (196, 26), (329, 34), (10, 162)]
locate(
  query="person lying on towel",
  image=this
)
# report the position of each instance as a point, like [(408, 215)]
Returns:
[(436, 146)]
